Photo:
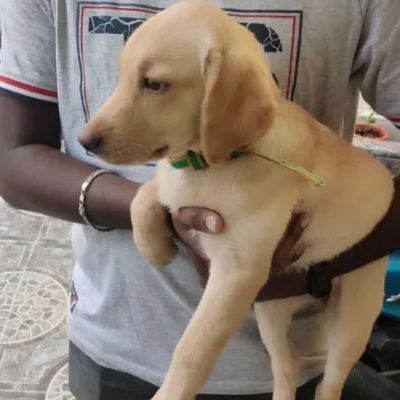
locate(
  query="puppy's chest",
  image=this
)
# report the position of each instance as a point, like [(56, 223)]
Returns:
[(216, 189), (233, 189)]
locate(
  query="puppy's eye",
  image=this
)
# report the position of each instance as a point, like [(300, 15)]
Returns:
[(153, 85)]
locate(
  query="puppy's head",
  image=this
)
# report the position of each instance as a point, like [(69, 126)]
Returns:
[(190, 78)]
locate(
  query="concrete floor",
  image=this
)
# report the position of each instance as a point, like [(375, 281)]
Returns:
[(35, 269)]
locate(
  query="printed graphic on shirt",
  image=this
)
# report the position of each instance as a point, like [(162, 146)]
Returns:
[(73, 298), (105, 27)]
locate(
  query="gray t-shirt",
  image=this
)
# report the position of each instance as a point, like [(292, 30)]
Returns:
[(125, 314)]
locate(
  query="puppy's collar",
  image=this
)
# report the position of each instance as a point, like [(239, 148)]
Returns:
[(196, 161)]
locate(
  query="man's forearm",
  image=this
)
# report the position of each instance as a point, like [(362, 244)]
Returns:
[(382, 241), (42, 179)]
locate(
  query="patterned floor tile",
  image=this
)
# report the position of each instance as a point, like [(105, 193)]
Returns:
[(30, 367), (58, 388), (56, 231), (14, 255), (18, 225), (36, 304), (53, 260), (13, 395), (36, 263)]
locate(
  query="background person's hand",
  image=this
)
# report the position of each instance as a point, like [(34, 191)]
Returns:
[(191, 219)]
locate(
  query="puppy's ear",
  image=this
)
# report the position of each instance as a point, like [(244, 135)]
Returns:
[(238, 105)]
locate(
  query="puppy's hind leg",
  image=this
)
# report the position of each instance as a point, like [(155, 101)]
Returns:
[(350, 323), (273, 319)]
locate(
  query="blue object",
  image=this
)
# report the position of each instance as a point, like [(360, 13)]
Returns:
[(392, 287)]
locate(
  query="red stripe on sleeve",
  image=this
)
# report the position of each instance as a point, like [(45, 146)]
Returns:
[(28, 88)]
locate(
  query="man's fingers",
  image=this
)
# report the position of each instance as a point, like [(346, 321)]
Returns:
[(294, 230), (201, 219), (299, 223), (284, 255)]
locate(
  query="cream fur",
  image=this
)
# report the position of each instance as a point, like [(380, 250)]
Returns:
[(222, 96)]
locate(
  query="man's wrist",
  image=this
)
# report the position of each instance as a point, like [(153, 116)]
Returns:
[(109, 200), (82, 200)]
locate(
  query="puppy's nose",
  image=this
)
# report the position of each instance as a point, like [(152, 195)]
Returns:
[(90, 142)]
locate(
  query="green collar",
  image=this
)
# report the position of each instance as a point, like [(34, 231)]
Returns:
[(197, 162)]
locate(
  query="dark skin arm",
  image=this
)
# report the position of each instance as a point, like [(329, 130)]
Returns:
[(36, 176)]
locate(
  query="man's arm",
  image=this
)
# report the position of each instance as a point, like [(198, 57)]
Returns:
[(36, 176)]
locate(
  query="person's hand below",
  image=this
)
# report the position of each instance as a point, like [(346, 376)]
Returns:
[(191, 219)]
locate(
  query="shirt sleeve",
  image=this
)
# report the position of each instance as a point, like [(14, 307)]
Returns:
[(28, 49), (377, 63)]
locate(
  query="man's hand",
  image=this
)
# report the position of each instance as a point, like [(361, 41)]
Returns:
[(191, 219)]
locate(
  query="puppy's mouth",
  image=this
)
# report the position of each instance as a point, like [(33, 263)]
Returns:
[(161, 152)]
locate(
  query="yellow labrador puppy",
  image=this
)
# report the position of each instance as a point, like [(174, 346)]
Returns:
[(192, 80)]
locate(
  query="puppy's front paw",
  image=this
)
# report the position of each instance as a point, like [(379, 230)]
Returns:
[(157, 248), (151, 233)]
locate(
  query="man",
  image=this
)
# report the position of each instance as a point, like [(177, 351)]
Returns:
[(59, 64)]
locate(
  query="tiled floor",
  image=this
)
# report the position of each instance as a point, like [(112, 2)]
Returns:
[(35, 267)]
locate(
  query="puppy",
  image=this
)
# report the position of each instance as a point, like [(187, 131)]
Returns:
[(191, 79)]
